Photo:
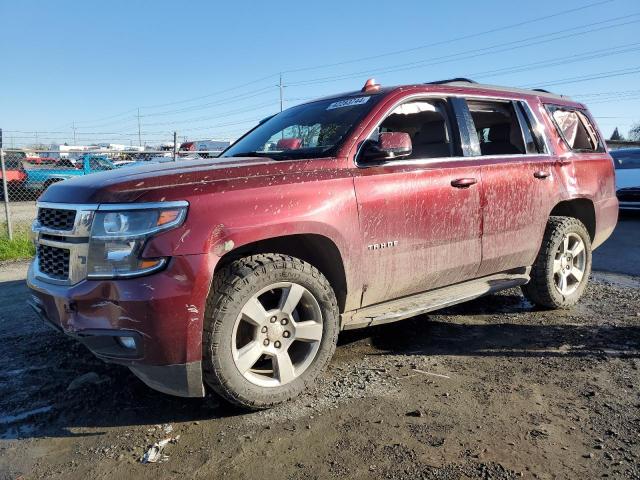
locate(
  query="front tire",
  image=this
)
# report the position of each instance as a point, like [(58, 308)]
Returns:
[(561, 271), (271, 326)]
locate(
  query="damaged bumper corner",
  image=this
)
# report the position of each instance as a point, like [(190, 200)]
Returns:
[(153, 327), (182, 380)]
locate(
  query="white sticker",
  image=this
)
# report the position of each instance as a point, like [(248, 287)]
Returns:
[(348, 102)]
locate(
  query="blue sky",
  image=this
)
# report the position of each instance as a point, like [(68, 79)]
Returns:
[(210, 69)]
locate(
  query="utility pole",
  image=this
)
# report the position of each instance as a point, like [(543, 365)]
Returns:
[(5, 190), (74, 133), (281, 86), (175, 140), (139, 134)]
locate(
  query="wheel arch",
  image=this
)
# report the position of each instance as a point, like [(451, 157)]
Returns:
[(581, 209), (318, 250)]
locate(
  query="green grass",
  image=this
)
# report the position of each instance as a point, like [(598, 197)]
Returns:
[(20, 247)]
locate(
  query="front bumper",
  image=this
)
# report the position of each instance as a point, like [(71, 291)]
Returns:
[(162, 313)]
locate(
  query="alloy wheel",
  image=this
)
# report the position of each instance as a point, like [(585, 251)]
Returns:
[(277, 334), (569, 264)]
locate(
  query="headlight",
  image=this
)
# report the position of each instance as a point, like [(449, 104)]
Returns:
[(118, 237)]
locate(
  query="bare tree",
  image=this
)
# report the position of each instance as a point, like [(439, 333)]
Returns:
[(634, 133)]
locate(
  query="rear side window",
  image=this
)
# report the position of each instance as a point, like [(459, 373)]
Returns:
[(626, 159), (576, 129), (498, 128)]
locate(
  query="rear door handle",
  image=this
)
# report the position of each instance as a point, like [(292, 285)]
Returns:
[(463, 182), (541, 174)]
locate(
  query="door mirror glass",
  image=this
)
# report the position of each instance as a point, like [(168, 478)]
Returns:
[(390, 145)]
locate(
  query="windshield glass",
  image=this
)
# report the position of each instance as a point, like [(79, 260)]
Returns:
[(306, 131)]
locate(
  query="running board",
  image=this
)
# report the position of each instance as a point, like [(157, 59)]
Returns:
[(420, 303)]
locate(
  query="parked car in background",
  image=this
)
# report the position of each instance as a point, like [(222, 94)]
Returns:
[(209, 148), (15, 176), (39, 179), (41, 160), (627, 162), (237, 273)]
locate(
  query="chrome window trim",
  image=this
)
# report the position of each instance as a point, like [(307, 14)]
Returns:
[(537, 127), (444, 96), (427, 161)]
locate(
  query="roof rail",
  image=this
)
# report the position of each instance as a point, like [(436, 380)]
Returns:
[(540, 90), (452, 80)]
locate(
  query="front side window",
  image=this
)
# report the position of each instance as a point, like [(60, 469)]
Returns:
[(496, 124), (576, 129), (427, 124), (311, 130)]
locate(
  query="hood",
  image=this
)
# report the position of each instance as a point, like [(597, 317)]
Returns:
[(131, 182)]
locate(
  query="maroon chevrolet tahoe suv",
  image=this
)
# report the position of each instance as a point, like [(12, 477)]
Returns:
[(237, 273)]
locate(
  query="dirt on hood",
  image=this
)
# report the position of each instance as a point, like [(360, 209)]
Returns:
[(128, 183)]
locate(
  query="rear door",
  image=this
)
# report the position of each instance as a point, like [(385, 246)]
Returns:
[(518, 183), (420, 215)]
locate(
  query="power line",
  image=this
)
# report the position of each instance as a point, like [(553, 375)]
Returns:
[(597, 76), (474, 53), (580, 57), (253, 94), (361, 59), (211, 117), (452, 40)]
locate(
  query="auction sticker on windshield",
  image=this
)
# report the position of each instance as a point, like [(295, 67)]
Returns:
[(349, 102)]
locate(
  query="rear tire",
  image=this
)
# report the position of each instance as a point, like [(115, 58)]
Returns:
[(271, 326), (561, 271)]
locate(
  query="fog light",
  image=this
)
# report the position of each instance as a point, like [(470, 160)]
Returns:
[(127, 342)]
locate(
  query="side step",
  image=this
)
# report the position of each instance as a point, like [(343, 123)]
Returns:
[(417, 304)]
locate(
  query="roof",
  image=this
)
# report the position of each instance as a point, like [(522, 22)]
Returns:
[(458, 83), (483, 86)]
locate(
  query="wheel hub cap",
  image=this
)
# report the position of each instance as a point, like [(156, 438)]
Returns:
[(274, 332)]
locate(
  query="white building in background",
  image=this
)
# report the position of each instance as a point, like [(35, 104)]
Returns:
[(74, 151)]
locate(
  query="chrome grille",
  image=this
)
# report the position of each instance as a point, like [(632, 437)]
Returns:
[(53, 261), (62, 233), (56, 218)]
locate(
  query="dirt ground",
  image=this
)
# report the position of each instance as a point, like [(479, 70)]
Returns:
[(490, 389), (22, 213)]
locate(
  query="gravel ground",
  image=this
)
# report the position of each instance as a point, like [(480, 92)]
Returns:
[(22, 213), (490, 389)]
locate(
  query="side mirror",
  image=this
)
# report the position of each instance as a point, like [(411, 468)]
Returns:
[(389, 145)]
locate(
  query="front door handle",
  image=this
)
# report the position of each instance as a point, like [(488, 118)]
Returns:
[(463, 182), (541, 174)]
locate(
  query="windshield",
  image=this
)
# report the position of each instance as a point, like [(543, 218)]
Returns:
[(306, 131)]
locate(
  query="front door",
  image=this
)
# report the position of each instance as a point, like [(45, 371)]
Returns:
[(419, 216)]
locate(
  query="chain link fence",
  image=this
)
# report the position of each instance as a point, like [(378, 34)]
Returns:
[(26, 174)]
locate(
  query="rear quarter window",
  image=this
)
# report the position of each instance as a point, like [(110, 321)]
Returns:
[(576, 129)]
